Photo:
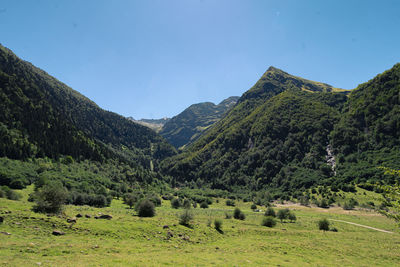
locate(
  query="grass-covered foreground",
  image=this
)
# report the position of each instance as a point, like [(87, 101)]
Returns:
[(127, 240)]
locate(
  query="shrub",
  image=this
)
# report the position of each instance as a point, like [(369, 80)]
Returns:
[(253, 206), (238, 214), (155, 199), (146, 208), (292, 217), (283, 214), (186, 204), (268, 221), (270, 212), (230, 202), (334, 229), (204, 205), (50, 198), (130, 199), (186, 217), (323, 203), (323, 225), (175, 203), (218, 225)]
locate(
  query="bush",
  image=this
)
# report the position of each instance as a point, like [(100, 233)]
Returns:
[(238, 214), (155, 199), (146, 208), (218, 225), (186, 204), (204, 205), (283, 214), (270, 212), (186, 217), (323, 203), (253, 206), (292, 217), (323, 225), (230, 202), (175, 203), (50, 198), (130, 199), (268, 221)]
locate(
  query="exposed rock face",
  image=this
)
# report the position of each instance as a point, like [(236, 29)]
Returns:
[(330, 158)]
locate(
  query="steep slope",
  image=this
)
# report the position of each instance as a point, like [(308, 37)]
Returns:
[(40, 116), (368, 134), (154, 124), (187, 126), (275, 137)]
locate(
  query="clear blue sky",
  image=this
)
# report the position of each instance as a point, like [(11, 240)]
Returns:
[(150, 59)]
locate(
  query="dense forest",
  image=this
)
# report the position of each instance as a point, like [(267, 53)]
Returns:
[(283, 136), (276, 138)]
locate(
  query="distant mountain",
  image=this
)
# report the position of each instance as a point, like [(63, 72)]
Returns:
[(42, 117), (154, 124), (187, 126)]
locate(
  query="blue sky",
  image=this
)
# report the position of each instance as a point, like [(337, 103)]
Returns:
[(150, 59)]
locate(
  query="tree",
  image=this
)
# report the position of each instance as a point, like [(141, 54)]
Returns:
[(130, 200), (323, 224), (50, 198), (283, 214), (270, 212), (146, 208)]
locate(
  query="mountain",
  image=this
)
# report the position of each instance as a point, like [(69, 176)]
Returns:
[(154, 124), (274, 137), (42, 117), (187, 126)]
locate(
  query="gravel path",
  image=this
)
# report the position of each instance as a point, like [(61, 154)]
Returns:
[(365, 226)]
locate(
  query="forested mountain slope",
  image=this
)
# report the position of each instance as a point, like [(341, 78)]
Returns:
[(187, 126), (41, 116)]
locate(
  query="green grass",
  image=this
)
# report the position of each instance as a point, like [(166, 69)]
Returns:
[(127, 240)]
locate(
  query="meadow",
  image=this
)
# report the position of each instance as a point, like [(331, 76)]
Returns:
[(128, 240)]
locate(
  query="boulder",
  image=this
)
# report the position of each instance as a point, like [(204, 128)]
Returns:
[(57, 233), (72, 220), (105, 216), (165, 227), (1, 219), (78, 215), (88, 216)]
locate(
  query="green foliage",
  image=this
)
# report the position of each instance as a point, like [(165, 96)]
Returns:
[(268, 221), (230, 202), (175, 203), (130, 199), (186, 217), (270, 212), (253, 206), (146, 208), (6, 192), (292, 217), (50, 198), (238, 214), (218, 224), (323, 224), (283, 214), (204, 205)]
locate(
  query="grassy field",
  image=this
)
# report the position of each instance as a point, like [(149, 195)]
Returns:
[(127, 240)]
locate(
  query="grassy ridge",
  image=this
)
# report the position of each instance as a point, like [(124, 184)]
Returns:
[(130, 240)]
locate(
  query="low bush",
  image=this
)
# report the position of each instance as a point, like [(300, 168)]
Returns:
[(218, 224), (186, 217), (268, 221), (230, 202), (323, 224), (146, 208), (238, 214), (270, 212)]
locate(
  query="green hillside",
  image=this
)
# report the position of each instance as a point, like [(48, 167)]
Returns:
[(187, 126), (277, 137), (41, 116)]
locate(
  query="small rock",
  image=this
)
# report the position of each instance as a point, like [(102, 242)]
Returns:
[(88, 216), (17, 223), (105, 216), (180, 235), (57, 232), (78, 215), (38, 263), (1, 219), (165, 227), (5, 233), (169, 235), (174, 224), (96, 217), (72, 220), (95, 246), (216, 247)]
